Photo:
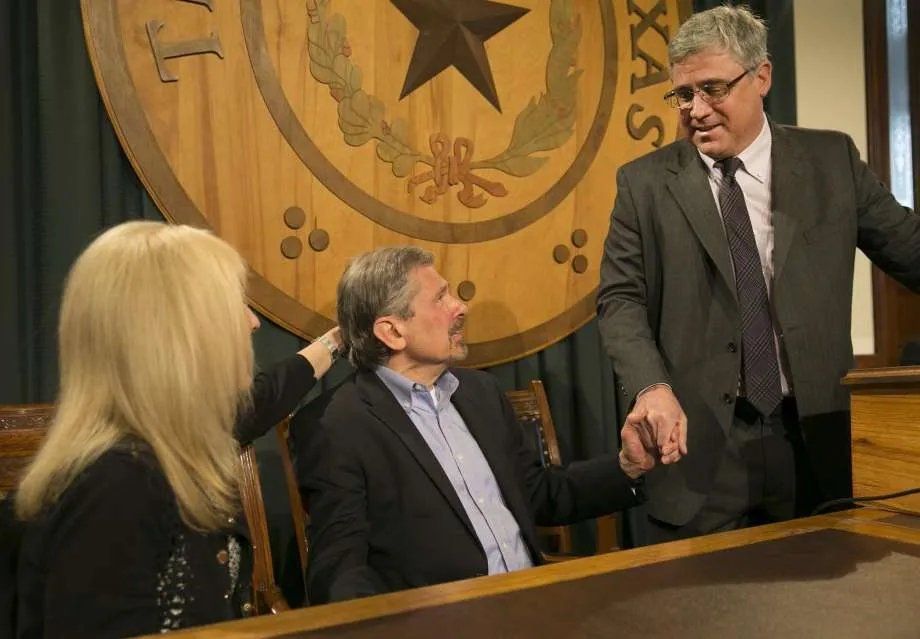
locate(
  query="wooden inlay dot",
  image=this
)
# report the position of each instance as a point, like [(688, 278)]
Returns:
[(466, 290), (291, 247), (294, 217), (318, 240), (561, 254)]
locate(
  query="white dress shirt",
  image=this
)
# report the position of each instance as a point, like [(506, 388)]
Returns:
[(754, 178)]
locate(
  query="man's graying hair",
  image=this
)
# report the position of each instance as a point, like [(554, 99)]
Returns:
[(376, 284), (735, 30)]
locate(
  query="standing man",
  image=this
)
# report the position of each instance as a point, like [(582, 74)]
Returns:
[(726, 287), (416, 472)]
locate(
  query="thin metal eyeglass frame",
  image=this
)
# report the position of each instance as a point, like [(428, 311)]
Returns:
[(672, 99)]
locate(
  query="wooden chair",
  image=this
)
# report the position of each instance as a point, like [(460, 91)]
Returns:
[(267, 596), (299, 512), (531, 407), (22, 431)]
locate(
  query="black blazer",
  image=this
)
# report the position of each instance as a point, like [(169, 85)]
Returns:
[(112, 557), (383, 514)]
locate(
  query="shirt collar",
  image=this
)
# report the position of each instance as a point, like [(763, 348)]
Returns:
[(408, 392), (755, 158)]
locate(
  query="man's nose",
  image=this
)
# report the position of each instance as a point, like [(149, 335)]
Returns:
[(699, 108)]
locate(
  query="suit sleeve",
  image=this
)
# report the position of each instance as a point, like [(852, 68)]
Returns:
[(333, 483), (624, 297), (888, 233), (567, 494), (275, 393)]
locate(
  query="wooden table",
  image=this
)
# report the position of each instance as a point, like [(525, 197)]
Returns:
[(850, 574)]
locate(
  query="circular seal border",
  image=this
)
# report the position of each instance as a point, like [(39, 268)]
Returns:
[(108, 59)]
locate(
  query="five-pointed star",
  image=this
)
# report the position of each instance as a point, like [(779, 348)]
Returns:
[(452, 33)]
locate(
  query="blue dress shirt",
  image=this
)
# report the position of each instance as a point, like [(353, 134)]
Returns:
[(458, 453)]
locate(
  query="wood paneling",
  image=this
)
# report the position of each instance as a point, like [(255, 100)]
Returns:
[(885, 431)]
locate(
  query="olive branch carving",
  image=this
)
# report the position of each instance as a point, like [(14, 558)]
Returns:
[(545, 124)]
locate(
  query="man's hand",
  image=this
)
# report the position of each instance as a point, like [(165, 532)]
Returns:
[(638, 449), (665, 420)]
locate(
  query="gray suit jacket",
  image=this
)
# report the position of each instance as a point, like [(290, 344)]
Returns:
[(667, 306)]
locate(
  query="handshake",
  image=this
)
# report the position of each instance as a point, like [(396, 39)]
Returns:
[(655, 431)]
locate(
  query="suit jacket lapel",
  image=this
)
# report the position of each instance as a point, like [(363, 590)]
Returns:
[(689, 185), (793, 197), (384, 407), (487, 428)]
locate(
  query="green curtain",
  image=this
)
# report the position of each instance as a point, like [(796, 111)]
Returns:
[(64, 179)]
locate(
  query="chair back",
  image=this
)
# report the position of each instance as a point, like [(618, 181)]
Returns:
[(22, 430), (299, 513), (267, 596), (531, 408)]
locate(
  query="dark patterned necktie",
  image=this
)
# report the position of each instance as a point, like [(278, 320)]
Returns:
[(759, 364)]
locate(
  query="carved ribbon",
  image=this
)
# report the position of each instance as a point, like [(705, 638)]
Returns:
[(452, 167)]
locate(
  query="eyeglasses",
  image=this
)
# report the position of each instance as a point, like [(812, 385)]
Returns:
[(711, 92)]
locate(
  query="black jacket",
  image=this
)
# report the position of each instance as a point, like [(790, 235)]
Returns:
[(112, 558), (384, 516)]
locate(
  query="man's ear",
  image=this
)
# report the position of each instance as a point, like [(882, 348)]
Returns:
[(764, 76), (387, 330)]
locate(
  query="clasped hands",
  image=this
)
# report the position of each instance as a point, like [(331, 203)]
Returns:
[(655, 431)]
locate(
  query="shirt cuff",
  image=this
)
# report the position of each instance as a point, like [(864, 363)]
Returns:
[(651, 386)]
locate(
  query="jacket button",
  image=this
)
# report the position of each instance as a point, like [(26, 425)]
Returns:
[(728, 399), (732, 348), (222, 557), (247, 609)]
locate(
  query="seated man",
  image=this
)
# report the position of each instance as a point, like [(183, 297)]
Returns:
[(417, 473)]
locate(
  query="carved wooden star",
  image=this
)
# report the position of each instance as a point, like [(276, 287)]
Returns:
[(452, 33)]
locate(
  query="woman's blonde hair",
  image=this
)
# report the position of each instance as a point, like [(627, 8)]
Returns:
[(154, 343)]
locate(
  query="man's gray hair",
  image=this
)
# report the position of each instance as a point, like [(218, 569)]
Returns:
[(376, 284), (735, 30)]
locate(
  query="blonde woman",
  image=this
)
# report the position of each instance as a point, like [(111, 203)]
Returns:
[(132, 506)]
